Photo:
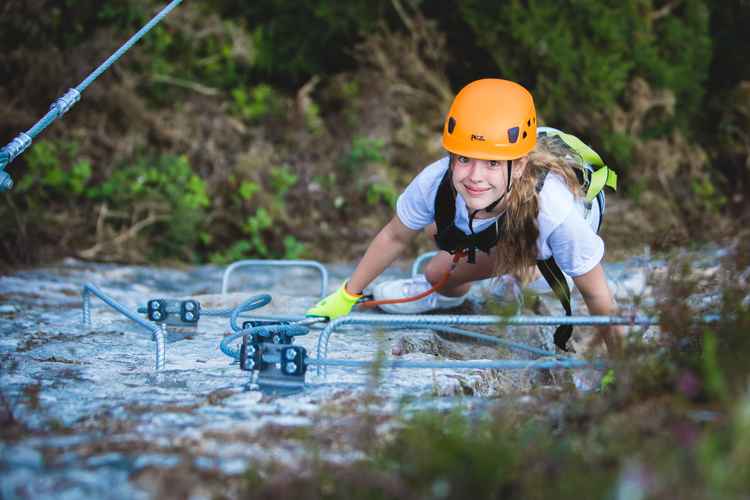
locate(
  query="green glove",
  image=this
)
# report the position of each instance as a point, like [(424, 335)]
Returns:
[(339, 303)]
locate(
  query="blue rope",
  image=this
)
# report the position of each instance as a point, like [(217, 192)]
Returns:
[(504, 364), (61, 106), (264, 331), (248, 305)]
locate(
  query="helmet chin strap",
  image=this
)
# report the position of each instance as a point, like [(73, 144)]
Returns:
[(491, 206)]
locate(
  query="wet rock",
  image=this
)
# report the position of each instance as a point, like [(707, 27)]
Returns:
[(8, 309), (98, 419)]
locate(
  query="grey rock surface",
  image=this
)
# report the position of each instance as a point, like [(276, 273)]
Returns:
[(87, 416)]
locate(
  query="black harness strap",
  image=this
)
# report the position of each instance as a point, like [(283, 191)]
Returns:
[(556, 280)]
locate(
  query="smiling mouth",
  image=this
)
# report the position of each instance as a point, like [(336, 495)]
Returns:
[(476, 190)]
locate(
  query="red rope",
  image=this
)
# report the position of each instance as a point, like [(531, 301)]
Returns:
[(437, 286)]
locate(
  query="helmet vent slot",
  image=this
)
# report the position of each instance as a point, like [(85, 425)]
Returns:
[(451, 124), (513, 134)]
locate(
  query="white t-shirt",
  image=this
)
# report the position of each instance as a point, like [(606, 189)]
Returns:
[(565, 228)]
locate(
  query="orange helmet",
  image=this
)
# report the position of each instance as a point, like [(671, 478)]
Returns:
[(491, 119)]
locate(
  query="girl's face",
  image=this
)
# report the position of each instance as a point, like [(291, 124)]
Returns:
[(482, 182)]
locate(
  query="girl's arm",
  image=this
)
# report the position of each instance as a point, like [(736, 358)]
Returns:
[(387, 245), (593, 286), (384, 249)]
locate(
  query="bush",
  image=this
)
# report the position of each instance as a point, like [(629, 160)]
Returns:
[(169, 192), (577, 58), (295, 41)]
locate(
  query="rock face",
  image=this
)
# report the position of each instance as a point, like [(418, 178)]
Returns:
[(84, 413)]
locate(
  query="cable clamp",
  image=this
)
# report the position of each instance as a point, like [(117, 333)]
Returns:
[(64, 103), (17, 146)]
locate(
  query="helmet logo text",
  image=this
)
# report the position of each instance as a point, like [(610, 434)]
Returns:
[(477, 137)]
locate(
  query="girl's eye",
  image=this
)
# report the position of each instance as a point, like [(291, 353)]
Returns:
[(463, 159), (493, 164)]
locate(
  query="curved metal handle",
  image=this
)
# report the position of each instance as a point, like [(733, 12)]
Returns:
[(277, 263)]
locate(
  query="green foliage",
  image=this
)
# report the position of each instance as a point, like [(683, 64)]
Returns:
[(248, 189), (124, 14), (295, 40), (350, 90), (708, 196), (436, 453), (571, 55), (577, 57), (254, 227), (620, 149), (711, 369), (723, 454), (381, 193), (313, 119), (160, 42), (729, 32), (282, 179), (167, 177), (263, 229), (238, 250), (168, 184), (53, 171), (256, 230), (65, 24), (293, 249), (608, 381), (174, 57), (253, 243), (363, 151), (432, 455), (260, 102), (715, 351), (674, 52)]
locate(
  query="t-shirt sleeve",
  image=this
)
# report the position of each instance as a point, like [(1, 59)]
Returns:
[(564, 233), (556, 201), (575, 246), (415, 207)]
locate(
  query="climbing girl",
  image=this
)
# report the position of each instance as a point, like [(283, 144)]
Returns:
[(506, 201)]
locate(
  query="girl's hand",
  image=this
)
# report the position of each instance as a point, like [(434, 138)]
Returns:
[(599, 300), (339, 303)]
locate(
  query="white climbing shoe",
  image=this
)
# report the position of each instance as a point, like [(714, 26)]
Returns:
[(398, 289)]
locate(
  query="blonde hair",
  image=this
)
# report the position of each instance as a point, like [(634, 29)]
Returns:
[(516, 250)]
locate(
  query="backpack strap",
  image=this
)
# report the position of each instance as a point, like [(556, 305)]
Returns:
[(445, 202), (601, 176), (556, 280)]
